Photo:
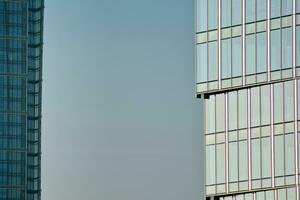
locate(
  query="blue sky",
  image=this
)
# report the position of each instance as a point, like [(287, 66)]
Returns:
[(120, 118)]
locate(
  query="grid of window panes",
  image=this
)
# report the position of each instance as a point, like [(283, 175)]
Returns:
[(13, 81), (231, 53), (253, 129), (280, 194), (35, 34)]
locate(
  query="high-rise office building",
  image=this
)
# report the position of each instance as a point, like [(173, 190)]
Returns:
[(248, 73), (21, 42)]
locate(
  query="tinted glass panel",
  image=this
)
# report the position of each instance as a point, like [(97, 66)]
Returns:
[(250, 54), (226, 13), (286, 7), (261, 52), (232, 110), (278, 103), (298, 45), (201, 15), (242, 102), (210, 165), (226, 58), (261, 9), (220, 110), (256, 158), (221, 163), (255, 106), (212, 61), (275, 8), (287, 48), (288, 101), (266, 157), (210, 114), (202, 62), (250, 10), (289, 154), (212, 14), (243, 162), (237, 52), (279, 155), (236, 12), (265, 105), (233, 164), (275, 50)]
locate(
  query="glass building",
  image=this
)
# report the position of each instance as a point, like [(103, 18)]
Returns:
[(248, 73), (21, 42)]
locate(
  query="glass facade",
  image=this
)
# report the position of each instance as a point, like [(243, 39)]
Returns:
[(248, 72), (21, 28)]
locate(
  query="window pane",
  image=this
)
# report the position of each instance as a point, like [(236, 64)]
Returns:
[(265, 105), (266, 157), (270, 195), (298, 87), (226, 12), (243, 161), (210, 114), (255, 106), (233, 164), (212, 14), (286, 7), (287, 48), (298, 45), (202, 63), (288, 101), (220, 112), (297, 6), (226, 58), (279, 155), (289, 154), (291, 193), (278, 103), (220, 163), (250, 10), (232, 110), (236, 12), (250, 54), (260, 196), (281, 194), (275, 50), (242, 102), (210, 165), (212, 61), (261, 9), (275, 8), (261, 52), (237, 52), (255, 158), (201, 15)]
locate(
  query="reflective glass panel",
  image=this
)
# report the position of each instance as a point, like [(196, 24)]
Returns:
[(261, 52), (226, 13), (266, 157), (210, 165), (287, 48), (212, 14), (220, 112), (243, 161), (220, 163), (275, 50), (261, 9), (233, 164), (250, 10), (298, 45), (279, 155), (232, 110), (278, 102), (275, 8), (201, 15), (212, 61), (289, 154), (286, 7), (202, 63), (242, 110), (288, 101), (226, 58), (236, 12), (255, 106), (250, 54), (237, 52), (265, 105), (256, 158), (210, 114)]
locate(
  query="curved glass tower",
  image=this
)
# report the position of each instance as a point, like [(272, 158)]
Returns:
[(21, 36), (248, 71)]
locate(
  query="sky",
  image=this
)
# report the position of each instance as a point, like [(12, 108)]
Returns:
[(120, 117)]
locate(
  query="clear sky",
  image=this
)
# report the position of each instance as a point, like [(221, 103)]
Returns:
[(120, 118)]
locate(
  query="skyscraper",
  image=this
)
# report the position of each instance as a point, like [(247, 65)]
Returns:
[(248, 69), (21, 44)]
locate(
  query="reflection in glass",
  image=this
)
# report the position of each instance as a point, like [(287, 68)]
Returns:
[(287, 48), (226, 58), (212, 61), (201, 15), (275, 50), (237, 52), (261, 52), (250, 54)]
